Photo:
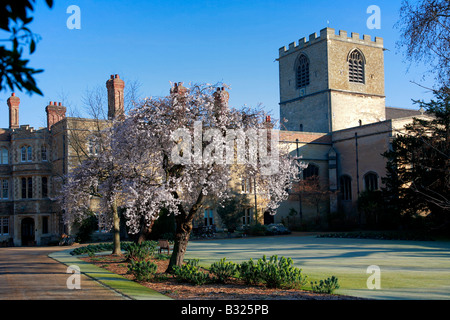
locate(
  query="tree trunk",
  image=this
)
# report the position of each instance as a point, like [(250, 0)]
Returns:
[(144, 231), (182, 233), (116, 230)]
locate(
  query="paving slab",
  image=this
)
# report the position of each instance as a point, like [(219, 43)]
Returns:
[(42, 273), (27, 273), (127, 288)]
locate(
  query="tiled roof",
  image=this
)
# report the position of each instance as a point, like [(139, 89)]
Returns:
[(395, 113)]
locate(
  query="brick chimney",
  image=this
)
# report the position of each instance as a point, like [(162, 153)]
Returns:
[(13, 104), (115, 87), (178, 89), (55, 113), (268, 123), (221, 97), (178, 93)]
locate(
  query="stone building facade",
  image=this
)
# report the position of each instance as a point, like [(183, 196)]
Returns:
[(332, 89), (27, 213), (332, 114), (33, 163), (331, 82)]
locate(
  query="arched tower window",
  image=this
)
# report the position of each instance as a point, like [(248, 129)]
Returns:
[(302, 71), (356, 66)]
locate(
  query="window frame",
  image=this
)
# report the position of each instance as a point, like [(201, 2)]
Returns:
[(93, 147), (246, 186), (26, 187), (208, 217), (4, 151), (306, 174), (345, 187), (4, 219), (371, 181), (26, 153), (44, 153), (4, 182), (302, 77), (356, 67), (247, 217), (44, 187), (45, 224)]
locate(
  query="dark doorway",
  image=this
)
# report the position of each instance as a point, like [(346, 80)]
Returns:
[(28, 232), (268, 218)]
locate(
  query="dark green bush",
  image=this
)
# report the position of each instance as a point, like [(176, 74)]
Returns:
[(142, 270), (257, 230), (273, 272), (93, 248), (326, 286), (190, 272), (281, 273), (249, 272), (223, 270), (141, 251)]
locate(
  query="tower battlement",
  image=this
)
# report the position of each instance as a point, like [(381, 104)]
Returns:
[(329, 34)]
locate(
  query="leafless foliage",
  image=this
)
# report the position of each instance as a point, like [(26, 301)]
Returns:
[(425, 32)]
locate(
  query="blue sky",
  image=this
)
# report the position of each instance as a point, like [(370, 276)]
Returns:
[(235, 42)]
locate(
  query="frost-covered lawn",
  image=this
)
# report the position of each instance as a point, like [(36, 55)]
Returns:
[(409, 269)]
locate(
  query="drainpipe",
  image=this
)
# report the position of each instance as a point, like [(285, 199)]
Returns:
[(300, 210), (357, 171)]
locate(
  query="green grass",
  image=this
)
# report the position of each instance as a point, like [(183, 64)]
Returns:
[(409, 269)]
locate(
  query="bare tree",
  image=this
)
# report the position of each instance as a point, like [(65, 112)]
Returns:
[(94, 175), (313, 191), (425, 32)]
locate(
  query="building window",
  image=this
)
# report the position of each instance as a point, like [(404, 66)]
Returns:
[(246, 185), (4, 189), (371, 181), (356, 67), (346, 187), (26, 154), (44, 225), (4, 226), (44, 155), (302, 75), (311, 172), (23, 154), (27, 188), (4, 156), (44, 187), (246, 219), (209, 217), (93, 147)]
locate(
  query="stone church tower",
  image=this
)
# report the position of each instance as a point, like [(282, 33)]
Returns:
[(331, 82)]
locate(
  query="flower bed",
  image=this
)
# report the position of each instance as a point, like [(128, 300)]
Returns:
[(233, 289)]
